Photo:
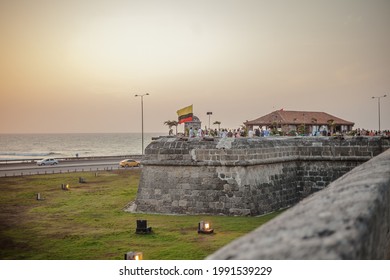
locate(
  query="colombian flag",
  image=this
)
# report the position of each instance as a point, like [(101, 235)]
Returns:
[(185, 114)]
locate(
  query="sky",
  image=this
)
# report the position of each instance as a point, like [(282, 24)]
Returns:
[(75, 66)]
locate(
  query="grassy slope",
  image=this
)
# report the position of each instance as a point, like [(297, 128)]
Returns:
[(88, 221)]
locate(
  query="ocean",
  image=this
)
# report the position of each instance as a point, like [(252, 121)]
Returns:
[(35, 146)]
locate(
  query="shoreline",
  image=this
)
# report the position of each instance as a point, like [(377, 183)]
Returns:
[(67, 159)]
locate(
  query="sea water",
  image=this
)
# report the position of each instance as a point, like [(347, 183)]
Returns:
[(32, 146)]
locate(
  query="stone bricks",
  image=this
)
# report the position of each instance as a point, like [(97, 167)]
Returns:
[(256, 175), (350, 219)]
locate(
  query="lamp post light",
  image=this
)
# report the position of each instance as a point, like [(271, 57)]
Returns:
[(379, 109), (209, 114), (142, 227), (205, 227), (134, 256), (142, 117)]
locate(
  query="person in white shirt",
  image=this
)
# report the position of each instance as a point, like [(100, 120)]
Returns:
[(199, 132)]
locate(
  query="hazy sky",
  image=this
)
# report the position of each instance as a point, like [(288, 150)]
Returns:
[(75, 66)]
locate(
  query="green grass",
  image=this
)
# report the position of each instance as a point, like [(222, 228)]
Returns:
[(88, 221)]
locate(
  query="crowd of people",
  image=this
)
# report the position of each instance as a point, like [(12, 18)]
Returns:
[(231, 133), (243, 132), (365, 132)]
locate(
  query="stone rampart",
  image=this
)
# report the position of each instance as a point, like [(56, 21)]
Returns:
[(350, 219), (244, 176)]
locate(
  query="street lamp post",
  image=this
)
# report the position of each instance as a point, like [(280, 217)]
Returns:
[(379, 109), (209, 114), (142, 117)]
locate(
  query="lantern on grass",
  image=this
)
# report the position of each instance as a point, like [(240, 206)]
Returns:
[(205, 227), (134, 256), (142, 227)]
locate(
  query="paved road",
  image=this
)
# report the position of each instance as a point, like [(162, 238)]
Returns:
[(18, 169)]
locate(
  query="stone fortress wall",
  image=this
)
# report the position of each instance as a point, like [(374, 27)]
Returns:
[(349, 219), (244, 176)]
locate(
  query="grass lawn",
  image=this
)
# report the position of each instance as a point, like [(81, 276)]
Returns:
[(88, 221)]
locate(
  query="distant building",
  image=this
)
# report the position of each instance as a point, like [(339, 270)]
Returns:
[(195, 124), (303, 122)]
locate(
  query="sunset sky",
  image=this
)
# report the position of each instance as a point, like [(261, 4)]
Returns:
[(75, 65)]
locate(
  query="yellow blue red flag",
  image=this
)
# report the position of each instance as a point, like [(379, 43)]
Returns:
[(185, 114)]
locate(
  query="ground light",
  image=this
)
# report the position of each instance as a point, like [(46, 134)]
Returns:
[(134, 256), (205, 227), (142, 227)]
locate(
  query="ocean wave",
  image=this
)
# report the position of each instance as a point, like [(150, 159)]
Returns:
[(37, 146), (18, 154)]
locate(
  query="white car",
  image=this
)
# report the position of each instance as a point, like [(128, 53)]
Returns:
[(47, 161)]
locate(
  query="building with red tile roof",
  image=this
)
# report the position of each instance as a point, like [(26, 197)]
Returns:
[(309, 122)]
